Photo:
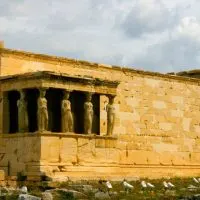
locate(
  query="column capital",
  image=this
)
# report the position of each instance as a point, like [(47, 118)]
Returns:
[(111, 98), (43, 88), (111, 95), (67, 91)]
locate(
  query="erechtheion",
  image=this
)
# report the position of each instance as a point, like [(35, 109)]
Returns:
[(61, 117)]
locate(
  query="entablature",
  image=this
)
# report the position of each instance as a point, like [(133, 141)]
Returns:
[(56, 80)]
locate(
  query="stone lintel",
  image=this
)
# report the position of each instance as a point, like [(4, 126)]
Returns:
[(56, 80)]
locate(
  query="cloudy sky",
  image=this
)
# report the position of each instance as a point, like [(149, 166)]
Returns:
[(153, 35)]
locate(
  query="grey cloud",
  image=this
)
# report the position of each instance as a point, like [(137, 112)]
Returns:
[(173, 55), (94, 30), (156, 18), (7, 7)]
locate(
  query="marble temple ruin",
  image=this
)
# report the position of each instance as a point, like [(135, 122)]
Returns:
[(61, 117)]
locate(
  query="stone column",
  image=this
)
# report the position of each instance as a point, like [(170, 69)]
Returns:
[(67, 122), (88, 114), (42, 113), (6, 113), (110, 109), (22, 113)]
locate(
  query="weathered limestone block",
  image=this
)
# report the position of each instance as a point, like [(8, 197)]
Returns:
[(159, 104), (187, 124), (33, 167), (103, 127), (159, 117), (165, 126), (152, 82), (177, 99), (50, 148), (178, 158), (126, 157), (166, 158), (197, 129), (177, 113), (124, 107), (107, 156), (103, 115), (196, 146), (163, 147), (152, 158), (195, 158), (31, 149), (113, 155), (169, 140), (126, 137), (121, 145), (133, 157), (68, 150), (120, 130), (100, 143), (132, 101), (86, 150), (129, 126)]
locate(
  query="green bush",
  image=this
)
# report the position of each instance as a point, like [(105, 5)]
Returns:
[(61, 195)]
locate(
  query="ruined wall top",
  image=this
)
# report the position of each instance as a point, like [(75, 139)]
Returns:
[(4, 52)]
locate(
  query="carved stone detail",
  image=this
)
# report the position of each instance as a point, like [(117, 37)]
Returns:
[(67, 118), (22, 113), (42, 111), (88, 114), (110, 108)]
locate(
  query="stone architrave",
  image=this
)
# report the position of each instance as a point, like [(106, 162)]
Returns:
[(42, 111), (88, 114), (22, 113), (67, 118), (110, 108)]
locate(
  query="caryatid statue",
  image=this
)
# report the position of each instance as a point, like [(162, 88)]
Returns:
[(110, 115), (67, 118), (22, 113), (88, 114), (42, 111)]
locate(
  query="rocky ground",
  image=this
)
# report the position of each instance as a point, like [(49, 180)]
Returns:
[(184, 189)]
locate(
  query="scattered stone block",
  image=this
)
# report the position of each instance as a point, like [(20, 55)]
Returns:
[(28, 197)]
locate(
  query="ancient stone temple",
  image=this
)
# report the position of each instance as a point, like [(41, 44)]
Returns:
[(66, 118)]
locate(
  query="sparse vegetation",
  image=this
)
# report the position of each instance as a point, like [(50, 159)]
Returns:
[(118, 192)]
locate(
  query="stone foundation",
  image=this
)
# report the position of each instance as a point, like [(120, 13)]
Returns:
[(62, 156)]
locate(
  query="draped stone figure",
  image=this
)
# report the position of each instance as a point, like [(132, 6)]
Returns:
[(110, 115), (88, 114), (67, 118), (22, 113), (42, 111)]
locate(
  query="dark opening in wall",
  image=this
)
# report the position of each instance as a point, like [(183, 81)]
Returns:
[(96, 116), (13, 96), (77, 101), (32, 96), (54, 98)]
